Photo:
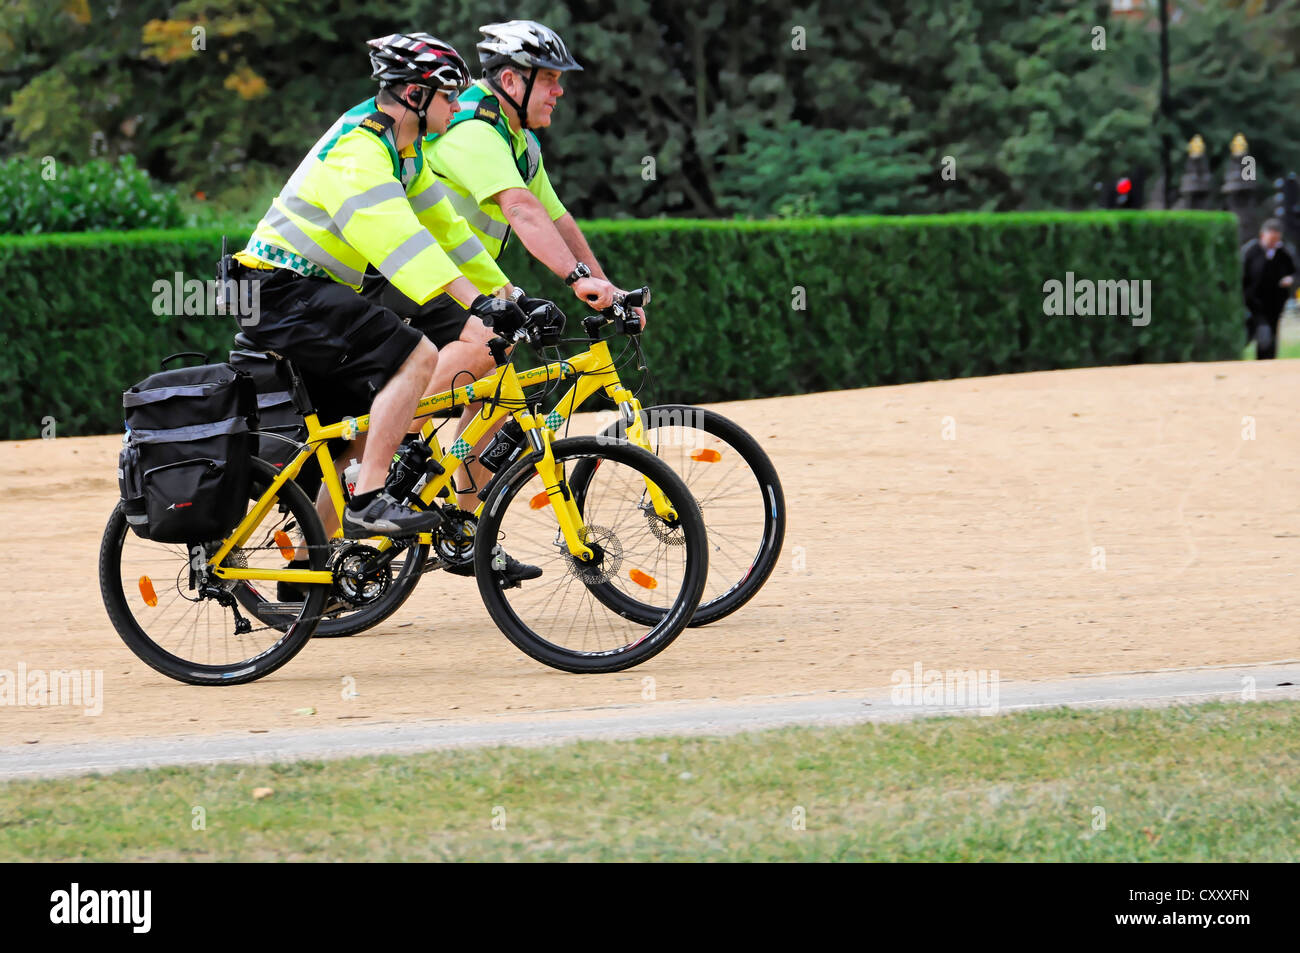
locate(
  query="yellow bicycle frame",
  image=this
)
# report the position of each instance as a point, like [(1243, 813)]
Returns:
[(505, 388), (596, 372)]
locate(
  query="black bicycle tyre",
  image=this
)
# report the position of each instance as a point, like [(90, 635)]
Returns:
[(674, 620), (769, 487), (289, 644)]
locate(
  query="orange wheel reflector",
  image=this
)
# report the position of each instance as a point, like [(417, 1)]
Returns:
[(706, 456), (540, 500), (146, 590), (644, 579), (285, 543)]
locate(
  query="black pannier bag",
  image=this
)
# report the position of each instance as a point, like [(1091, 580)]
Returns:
[(184, 469), (277, 417)]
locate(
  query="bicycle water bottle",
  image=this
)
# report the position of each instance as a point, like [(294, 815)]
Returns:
[(350, 478), (409, 464), (504, 448)]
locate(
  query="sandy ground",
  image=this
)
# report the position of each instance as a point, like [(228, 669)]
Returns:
[(1101, 520)]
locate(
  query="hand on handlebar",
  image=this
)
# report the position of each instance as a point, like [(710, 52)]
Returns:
[(638, 311), (595, 292), (545, 319), (502, 316), (627, 311)]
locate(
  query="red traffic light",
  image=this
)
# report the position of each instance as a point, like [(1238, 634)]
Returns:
[(1123, 186)]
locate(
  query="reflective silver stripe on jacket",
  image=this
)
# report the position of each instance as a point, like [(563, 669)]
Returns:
[(469, 210), (404, 252), (466, 250), (308, 249), (370, 197), (312, 213), (430, 197)]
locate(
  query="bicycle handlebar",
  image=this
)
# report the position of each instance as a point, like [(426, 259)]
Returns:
[(541, 324), (621, 312)]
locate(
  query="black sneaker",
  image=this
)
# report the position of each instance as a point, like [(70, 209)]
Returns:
[(513, 573), (509, 571), (384, 516), (291, 591)]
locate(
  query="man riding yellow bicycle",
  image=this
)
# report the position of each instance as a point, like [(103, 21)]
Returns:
[(365, 196), (488, 163)]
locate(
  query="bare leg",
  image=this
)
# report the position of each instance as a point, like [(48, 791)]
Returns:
[(459, 362), (391, 413)]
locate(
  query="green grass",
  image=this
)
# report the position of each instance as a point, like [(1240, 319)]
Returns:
[(1286, 349), (1213, 782)]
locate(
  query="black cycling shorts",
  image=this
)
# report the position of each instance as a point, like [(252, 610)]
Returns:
[(441, 319), (345, 346)]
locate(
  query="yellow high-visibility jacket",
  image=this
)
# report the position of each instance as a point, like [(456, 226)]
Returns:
[(476, 160), (354, 200)]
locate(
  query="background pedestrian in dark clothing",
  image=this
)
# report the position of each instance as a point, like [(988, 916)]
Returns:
[(1267, 276)]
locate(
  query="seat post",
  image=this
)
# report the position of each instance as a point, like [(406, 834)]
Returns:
[(301, 399)]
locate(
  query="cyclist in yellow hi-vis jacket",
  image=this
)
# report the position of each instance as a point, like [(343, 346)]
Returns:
[(364, 196), (492, 172)]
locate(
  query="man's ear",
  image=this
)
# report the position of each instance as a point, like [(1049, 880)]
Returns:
[(414, 93)]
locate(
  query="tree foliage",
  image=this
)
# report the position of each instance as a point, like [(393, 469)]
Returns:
[(738, 107)]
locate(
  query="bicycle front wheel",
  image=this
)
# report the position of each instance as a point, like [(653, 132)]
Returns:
[(565, 618), (187, 624), (739, 495)]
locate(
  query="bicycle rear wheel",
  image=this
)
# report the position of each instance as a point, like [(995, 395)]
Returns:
[(187, 625), (564, 619), (739, 495)]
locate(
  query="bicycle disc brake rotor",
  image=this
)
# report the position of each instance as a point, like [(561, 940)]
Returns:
[(608, 558), (670, 534), (356, 580)]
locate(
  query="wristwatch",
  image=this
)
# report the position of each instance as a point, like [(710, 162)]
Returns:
[(582, 271)]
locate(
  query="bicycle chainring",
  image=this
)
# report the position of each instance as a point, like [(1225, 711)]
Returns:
[(356, 582)]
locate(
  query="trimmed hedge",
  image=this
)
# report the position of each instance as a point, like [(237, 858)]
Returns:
[(889, 300)]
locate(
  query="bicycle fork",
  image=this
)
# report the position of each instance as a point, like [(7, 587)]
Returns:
[(559, 495), (629, 409)]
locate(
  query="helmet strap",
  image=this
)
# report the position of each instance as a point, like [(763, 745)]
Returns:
[(520, 108), (421, 111)]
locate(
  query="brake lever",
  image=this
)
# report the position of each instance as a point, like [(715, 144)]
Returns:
[(498, 346)]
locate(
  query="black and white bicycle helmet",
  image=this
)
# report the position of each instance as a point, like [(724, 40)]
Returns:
[(524, 43), (527, 46), (417, 58), (402, 58)]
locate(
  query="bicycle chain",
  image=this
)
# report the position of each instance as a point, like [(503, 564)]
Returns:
[(332, 545)]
